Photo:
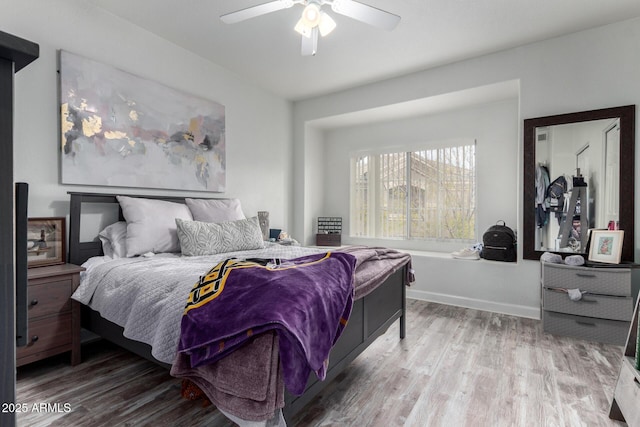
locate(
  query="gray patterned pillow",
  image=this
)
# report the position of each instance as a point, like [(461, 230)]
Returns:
[(209, 238)]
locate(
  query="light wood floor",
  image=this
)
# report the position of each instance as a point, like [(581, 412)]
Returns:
[(456, 367)]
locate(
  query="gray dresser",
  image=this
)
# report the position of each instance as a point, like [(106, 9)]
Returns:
[(605, 310)]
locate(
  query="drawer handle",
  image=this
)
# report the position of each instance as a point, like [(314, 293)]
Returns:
[(585, 275), (585, 323), (34, 338), (587, 300), (34, 302)]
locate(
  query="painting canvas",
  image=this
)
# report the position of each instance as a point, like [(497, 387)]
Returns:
[(121, 130)]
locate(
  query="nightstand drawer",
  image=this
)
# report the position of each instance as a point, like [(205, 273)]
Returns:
[(606, 281), (627, 393), (588, 328), (53, 318), (50, 333), (49, 298), (601, 306)]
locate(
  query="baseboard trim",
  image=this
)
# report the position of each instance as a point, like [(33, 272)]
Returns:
[(495, 307)]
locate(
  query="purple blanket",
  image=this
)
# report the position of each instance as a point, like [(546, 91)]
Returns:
[(307, 301)]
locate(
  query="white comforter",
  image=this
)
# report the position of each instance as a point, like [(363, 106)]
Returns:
[(147, 295)]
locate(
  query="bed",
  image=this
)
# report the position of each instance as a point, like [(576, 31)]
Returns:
[(371, 314)]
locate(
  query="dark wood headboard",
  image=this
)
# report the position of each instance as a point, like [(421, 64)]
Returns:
[(79, 251)]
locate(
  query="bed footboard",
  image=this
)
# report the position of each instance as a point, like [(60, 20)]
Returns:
[(371, 316)]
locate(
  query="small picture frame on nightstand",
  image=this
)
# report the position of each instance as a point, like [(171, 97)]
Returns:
[(45, 241), (605, 246)]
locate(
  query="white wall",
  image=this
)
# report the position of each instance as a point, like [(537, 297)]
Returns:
[(258, 123), (561, 75), (314, 179)]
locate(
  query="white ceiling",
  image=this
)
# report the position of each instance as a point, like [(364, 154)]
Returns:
[(266, 51)]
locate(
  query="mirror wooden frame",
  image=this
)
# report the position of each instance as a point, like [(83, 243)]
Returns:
[(627, 116)]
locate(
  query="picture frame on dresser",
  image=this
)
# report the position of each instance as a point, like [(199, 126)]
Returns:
[(45, 241), (606, 246)]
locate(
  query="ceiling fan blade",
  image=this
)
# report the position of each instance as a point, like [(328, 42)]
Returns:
[(310, 44), (253, 11), (365, 13)]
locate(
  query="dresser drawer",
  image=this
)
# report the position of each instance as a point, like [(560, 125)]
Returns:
[(49, 298), (52, 333), (601, 306), (627, 393), (593, 329), (607, 281)]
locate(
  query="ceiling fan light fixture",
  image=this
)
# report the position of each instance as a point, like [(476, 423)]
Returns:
[(326, 25), (311, 15), (302, 28)]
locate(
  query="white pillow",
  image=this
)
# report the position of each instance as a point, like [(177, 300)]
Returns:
[(209, 238), (215, 210), (151, 225), (113, 239)]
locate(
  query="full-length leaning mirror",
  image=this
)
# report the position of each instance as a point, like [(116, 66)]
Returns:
[(578, 175)]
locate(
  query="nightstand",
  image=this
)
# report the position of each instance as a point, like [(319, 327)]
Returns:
[(54, 319)]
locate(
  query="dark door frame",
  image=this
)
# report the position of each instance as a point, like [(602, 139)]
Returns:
[(15, 53)]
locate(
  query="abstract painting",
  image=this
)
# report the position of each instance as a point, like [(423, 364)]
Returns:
[(122, 130)]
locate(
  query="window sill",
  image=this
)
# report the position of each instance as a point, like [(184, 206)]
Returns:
[(440, 249), (447, 255), (428, 254)]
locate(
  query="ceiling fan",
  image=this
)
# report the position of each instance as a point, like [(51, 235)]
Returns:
[(314, 21)]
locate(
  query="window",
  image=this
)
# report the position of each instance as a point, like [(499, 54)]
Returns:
[(422, 194)]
